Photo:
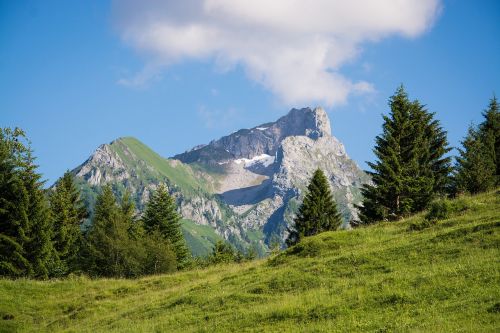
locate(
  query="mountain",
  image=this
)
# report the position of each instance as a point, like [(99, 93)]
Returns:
[(244, 187), (262, 139)]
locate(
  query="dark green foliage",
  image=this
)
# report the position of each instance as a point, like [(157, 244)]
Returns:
[(477, 166), (318, 212), (160, 254), (25, 225), (14, 223), (411, 166), (39, 249), (439, 210), (490, 130), (118, 246), (110, 249), (68, 213), (222, 253), (161, 214)]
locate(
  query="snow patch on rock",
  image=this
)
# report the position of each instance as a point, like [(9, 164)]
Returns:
[(264, 159)]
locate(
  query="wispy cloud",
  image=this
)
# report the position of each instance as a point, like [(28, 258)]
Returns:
[(294, 48)]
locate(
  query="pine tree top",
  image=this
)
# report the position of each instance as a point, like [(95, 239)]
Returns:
[(318, 211)]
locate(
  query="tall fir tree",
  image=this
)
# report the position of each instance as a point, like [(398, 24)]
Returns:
[(68, 214), (490, 134), (31, 221), (110, 250), (411, 166), (475, 166), (161, 214), (318, 212), (14, 222), (40, 248)]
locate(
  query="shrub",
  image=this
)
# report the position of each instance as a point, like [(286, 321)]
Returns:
[(439, 210)]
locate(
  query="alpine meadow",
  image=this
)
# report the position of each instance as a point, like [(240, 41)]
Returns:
[(235, 166)]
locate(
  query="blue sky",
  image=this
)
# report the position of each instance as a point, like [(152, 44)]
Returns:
[(76, 74)]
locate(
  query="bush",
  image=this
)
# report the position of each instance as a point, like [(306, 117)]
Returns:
[(439, 210), (222, 253)]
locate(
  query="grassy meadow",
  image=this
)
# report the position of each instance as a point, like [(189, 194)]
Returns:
[(406, 276)]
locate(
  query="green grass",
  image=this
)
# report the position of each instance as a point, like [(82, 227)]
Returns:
[(200, 238), (180, 174), (407, 276)]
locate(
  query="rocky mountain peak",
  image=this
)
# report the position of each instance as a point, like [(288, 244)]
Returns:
[(250, 182), (262, 139)]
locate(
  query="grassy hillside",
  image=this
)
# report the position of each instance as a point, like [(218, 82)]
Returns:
[(391, 277), (145, 167), (178, 173), (200, 238)]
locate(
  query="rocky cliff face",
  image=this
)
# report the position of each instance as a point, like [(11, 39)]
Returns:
[(267, 169), (262, 139), (260, 179)]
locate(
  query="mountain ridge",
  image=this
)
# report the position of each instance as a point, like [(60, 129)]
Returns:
[(246, 186)]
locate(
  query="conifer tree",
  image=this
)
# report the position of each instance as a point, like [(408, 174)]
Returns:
[(111, 251), (490, 134), (160, 254), (39, 249), (14, 223), (27, 229), (318, 212), (161, 214), (411, 166), (475, 167), (68, 214)]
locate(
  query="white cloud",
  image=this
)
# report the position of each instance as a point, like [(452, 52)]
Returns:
[(295, 48)]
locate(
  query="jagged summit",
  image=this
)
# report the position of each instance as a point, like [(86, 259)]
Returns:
[(245, 187), (262, 139)]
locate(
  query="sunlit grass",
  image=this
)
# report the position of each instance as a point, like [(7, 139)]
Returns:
[(444, 277)]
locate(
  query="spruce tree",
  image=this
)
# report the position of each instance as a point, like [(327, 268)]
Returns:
[(27, 224), (39, 249), (318, 212), (411, 166), (14, 223), (475, 167), (110, 249), (160, 254), (490, 135), (68, 214), (161, 213)]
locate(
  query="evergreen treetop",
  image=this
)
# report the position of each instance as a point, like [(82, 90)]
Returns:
[(411, 166), (490, 132), (68, 213), (27, 225), (318, 212), (161, 213)]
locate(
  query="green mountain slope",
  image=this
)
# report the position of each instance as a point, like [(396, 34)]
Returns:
[(391, 277), (200, 238), (179, 174), (128, 164)]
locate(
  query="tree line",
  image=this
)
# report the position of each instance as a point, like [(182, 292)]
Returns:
[(413, 167), (41, 233)]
